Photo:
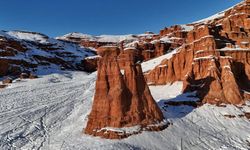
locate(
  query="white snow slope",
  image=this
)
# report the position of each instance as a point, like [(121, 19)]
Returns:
[(151, 64), (50, 113)]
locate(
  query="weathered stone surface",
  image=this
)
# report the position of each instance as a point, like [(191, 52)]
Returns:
[(24, 76), (7, 81), (122, 98), (214, 61), (90, 63), (32, 76)]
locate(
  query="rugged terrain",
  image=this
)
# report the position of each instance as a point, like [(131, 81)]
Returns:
[(32, 52), (149, 45), (214, 60), (188, 68), (50, 113)]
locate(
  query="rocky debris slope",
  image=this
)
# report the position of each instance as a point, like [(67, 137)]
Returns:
[(32, 52), (214, 61), (123, 104)]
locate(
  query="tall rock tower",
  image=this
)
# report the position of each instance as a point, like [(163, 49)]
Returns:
[(123, 104)]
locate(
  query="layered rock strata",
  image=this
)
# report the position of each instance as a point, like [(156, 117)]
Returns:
[(214, 61), (123, 104)]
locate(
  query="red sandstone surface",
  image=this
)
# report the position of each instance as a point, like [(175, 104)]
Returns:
[(214, 61), (122, 98)]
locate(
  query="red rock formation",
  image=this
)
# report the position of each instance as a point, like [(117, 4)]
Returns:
[(150, 45), (95, 44), (90, 63), (214, 61), (214, 81), (122, 99), (174, 31)]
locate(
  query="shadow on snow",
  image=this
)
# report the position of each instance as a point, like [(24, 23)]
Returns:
[(179, 106)]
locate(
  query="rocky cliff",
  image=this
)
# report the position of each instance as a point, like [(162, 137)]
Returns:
[(214, 60), (123, 104), (212, 55)]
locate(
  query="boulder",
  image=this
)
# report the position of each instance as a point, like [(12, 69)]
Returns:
[(24, 76), (7, 81), (3, 86), (33, 76), (90, 63)]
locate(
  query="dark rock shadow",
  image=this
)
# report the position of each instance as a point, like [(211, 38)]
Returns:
[(241, 76), (201, 86), (179, 106), (185, 103)]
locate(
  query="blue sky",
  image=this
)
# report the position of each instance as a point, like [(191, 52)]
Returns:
[(58, 17)]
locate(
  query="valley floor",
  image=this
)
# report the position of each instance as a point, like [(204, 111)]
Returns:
[(49, 113)]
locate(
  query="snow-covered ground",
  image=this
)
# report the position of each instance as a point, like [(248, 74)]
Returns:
[(151, 64), (50, 113), (29, 36), (32, 111)]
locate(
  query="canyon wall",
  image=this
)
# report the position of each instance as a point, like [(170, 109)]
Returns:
[(214, 61)]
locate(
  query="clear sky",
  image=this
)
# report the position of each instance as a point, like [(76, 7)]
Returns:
[(58, 17)]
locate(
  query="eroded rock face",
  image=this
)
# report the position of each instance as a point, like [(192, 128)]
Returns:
[(122, 99), (90, 63), (214, 61), (216, 84)]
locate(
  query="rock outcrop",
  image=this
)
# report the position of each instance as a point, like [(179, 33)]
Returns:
[(216, 84), (123, 104), (90, 63), (23, 51), (7, 81), (214, 60)]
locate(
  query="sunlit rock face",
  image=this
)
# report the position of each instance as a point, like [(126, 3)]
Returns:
[(214, 61), (123, 104)]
